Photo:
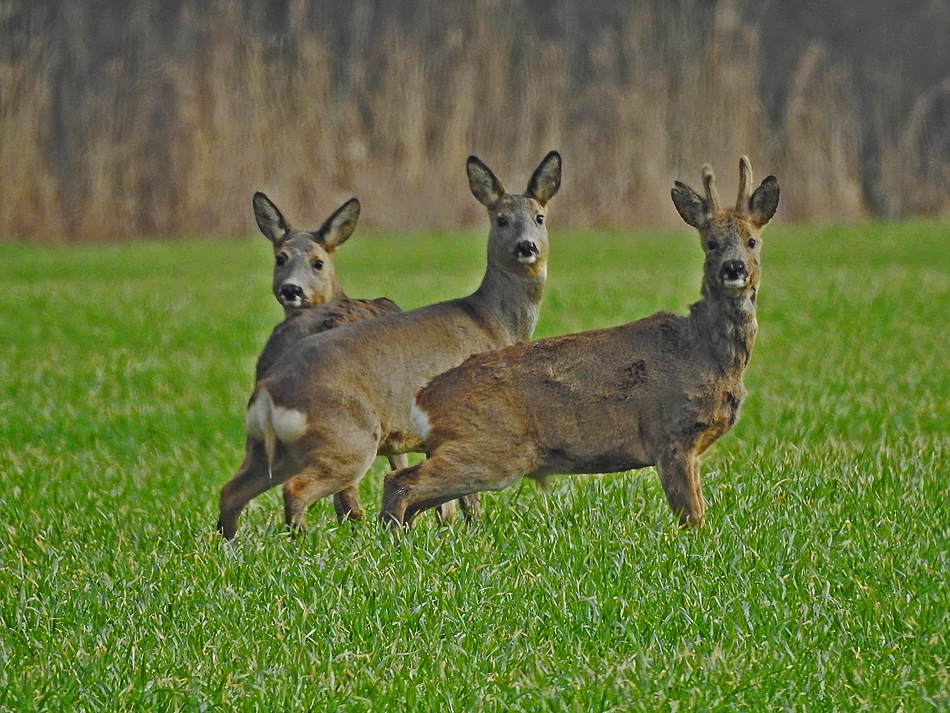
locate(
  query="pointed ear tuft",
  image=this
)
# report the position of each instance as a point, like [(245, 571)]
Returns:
[(270, 220), (764, 202), (546, 179), (691, 207), (485, 186), (339, 226)]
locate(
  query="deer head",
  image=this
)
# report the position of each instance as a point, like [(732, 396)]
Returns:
[(730, 237), (304, 275)]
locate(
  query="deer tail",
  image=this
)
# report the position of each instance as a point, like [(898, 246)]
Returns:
[(259, 423)]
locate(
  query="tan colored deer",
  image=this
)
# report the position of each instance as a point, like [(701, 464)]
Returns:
[(658, 391), (334, 401), (306, 286)]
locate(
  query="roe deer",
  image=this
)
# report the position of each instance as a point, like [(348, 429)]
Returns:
[(335, 400), (306, 286), (658, 391)]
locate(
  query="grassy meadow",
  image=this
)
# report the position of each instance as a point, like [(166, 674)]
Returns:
[(820, 581)]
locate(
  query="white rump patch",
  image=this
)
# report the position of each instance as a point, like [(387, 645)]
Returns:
[(287, 424), (420, 420)]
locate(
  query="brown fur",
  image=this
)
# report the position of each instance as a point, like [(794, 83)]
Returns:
[(336, 399), (658, 391)]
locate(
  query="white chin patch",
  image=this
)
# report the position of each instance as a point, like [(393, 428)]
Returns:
[(734, 284), (527, 259)]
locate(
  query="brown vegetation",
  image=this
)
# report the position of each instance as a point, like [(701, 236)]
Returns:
[(162, 118)]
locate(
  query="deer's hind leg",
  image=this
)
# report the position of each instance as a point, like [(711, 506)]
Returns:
[(439, 479), (347, 503), (331, 468), (253, 478)]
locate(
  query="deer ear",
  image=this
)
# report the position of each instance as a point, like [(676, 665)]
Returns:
[(339, 226), (270, 220), (692, 209), (546, 179), (485, 186), (764, 202)]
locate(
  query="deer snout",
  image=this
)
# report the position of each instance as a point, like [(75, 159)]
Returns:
[(527, 251), (291, 294), (733, 273)]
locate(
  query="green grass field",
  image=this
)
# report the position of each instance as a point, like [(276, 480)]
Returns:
[(820, 581)]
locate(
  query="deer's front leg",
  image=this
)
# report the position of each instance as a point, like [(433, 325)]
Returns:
[(679, 475)]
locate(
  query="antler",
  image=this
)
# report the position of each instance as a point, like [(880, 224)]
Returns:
[(712, 198)]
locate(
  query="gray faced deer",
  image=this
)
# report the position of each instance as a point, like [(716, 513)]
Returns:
[(306, 285), (658, 391), (305, 281), (335, 400), (304, 275)]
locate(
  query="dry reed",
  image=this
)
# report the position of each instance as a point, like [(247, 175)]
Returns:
[(172, 134)]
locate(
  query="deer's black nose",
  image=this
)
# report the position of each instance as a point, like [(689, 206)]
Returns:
[(732, 271), (291, 292), (526, 250)]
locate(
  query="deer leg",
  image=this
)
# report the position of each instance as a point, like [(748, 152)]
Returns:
[(252, 479), (327, 473), (471, 506), (398, 462), (445, 513), (346, 503), (438, 480), (679, 475)]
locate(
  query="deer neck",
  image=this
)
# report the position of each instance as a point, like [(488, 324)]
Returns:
[(513, 301), (726, 326)]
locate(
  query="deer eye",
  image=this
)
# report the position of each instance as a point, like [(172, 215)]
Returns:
[(501, 221), (712, 245), (751, 243), (540, 220), (280, 259), (317, 264)]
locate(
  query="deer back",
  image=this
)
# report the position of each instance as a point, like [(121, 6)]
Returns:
[(305, 322)]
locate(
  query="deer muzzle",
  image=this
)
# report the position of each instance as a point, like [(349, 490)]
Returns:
[(291, 295), (526, 251), (733, 273)]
